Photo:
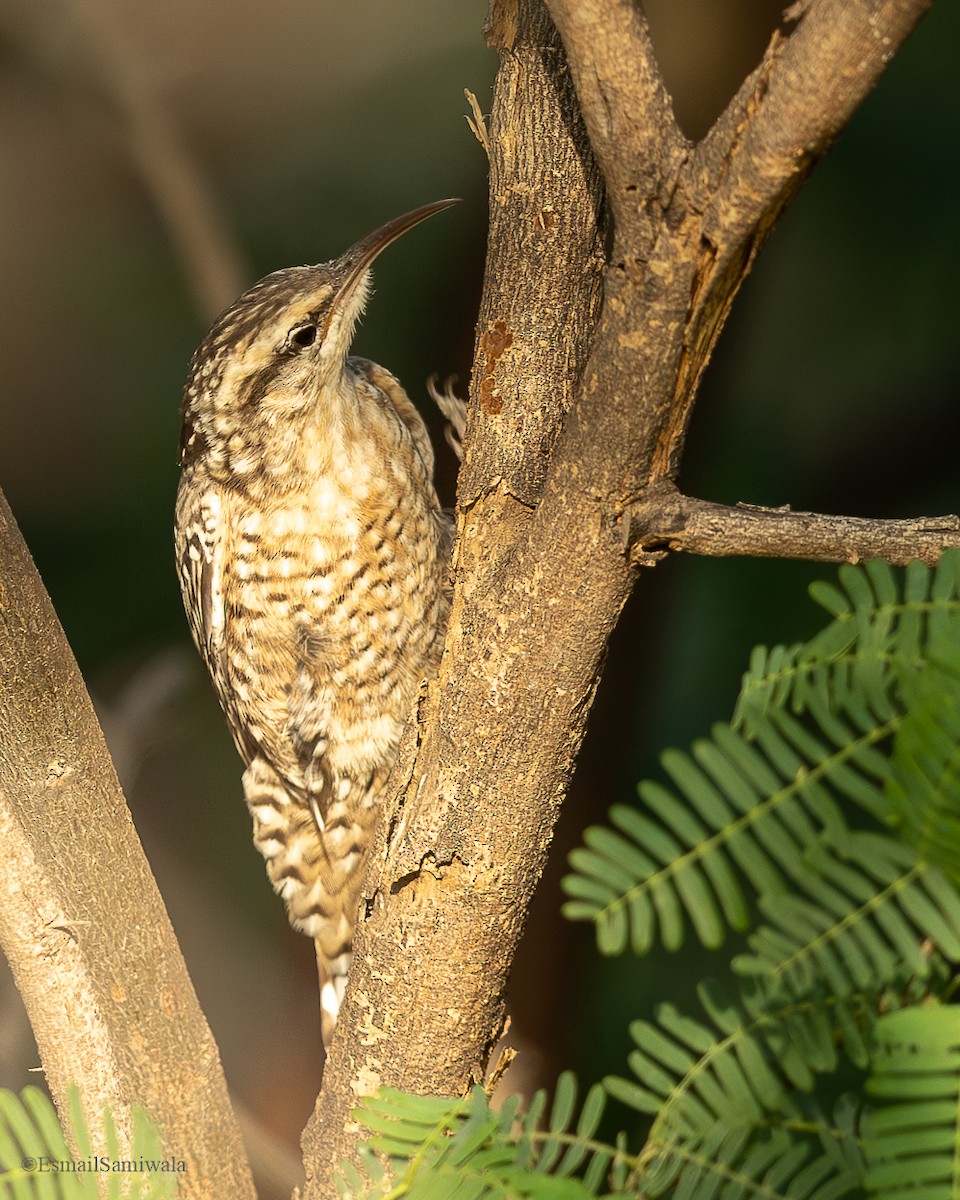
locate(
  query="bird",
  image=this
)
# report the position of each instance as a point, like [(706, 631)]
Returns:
[(314, 562)]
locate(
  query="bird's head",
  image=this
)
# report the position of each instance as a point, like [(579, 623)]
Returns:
[(272, 354)]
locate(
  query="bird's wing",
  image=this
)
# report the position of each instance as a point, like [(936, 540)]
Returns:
[(392, 391), (200, 552)]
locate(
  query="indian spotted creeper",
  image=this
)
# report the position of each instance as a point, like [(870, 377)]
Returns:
[(313, 558)]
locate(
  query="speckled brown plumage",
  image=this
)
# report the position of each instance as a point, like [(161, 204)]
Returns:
[(313, 562)]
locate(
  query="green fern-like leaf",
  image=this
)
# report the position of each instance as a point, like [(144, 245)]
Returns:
[(866, 714), (34, 1154), (884, 909), (910, 1139), (740, 1068), (858, 728), (923, 791), (883, 624), (881, 916), (465, 1150), (808, 1159), (447, 1149), (747, 816)]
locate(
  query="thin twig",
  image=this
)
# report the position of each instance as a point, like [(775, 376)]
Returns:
[(212, 263)]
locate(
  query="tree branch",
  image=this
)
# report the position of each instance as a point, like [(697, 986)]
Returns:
[(81, 920), (624, 103), (546, 206), (752, 162), (543, 562), (788, 112), (678, 522)]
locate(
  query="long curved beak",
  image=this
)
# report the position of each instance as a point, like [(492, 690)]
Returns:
[(358, 258)]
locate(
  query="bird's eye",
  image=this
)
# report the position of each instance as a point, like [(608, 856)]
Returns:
[(302, 336)]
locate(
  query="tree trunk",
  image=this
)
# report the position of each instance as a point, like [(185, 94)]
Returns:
[(81, 921), (576, 429)]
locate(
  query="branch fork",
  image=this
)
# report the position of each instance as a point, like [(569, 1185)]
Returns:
[(548, 551)]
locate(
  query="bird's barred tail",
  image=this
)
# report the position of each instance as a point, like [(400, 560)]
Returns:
[(333, 983), (319, 872)]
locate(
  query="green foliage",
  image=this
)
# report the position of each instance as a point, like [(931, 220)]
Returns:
[(442, 1149), (911, 1141), (34, 1154), (823, 823), (862, 720)]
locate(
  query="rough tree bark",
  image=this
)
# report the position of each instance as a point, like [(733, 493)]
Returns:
[(577, 424), (81, 921)]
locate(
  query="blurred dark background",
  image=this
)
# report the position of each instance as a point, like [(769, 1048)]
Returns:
[(834, 388)]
